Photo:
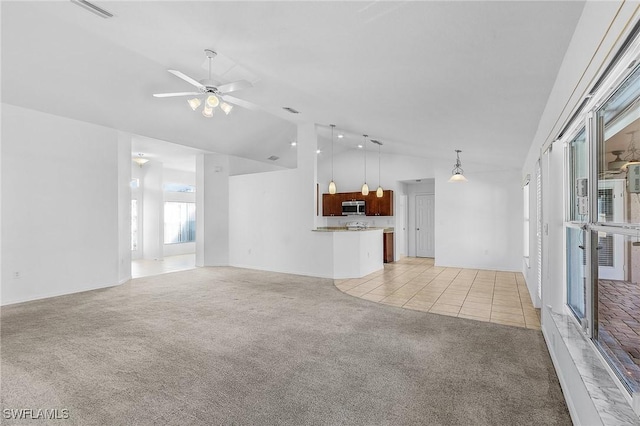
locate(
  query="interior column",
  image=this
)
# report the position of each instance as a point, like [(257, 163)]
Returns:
[(212, 210)]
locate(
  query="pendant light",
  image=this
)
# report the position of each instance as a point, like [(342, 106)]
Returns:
[(365, 187), (332, 184), (457, 172), (379, 191)]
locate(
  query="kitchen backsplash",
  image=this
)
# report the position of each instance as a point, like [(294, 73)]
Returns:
[(371, 221)]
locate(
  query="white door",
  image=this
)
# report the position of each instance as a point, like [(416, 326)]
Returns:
[(425, 225)]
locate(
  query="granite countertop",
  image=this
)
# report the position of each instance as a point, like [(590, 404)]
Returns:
[(344, 229)]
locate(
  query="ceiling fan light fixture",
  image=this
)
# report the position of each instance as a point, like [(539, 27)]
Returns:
[(212, 101), (226, 107), (618, 163), (194, 103), (140, 160), (207, 111)]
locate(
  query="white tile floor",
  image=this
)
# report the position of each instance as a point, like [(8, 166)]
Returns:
[(415, 283), (146, 268)]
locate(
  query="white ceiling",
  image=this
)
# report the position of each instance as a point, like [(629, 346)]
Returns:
[(423, 77)]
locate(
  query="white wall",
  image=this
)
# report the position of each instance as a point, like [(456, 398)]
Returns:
[(479, 223), (273, 215), (152, 211), (60, 205), (124, 207), (213, 210)]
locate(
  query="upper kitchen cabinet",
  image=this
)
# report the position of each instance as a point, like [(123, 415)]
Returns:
[(332, 204), (379, 206)]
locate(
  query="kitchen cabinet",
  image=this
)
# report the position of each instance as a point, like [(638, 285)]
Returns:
[(332, 203), (379, 206), (387, 250)]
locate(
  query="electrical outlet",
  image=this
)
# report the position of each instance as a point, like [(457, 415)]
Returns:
[(16, 275)]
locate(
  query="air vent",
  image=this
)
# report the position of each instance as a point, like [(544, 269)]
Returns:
[(93, 8), (273, 158), (291, 110)]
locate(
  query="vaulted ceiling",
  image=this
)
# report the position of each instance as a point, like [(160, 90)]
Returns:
[(424, 77)]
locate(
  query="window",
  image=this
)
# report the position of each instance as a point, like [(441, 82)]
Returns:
[(616, 305), (603, 228), (179, 222), (178, 187)]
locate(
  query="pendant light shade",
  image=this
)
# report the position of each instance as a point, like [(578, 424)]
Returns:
[(457, 174), (213, 101), (332, 184), (365, 187)]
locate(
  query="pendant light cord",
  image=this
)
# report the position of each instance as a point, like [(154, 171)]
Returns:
[(332, 127), (379, 165), (365, 158)]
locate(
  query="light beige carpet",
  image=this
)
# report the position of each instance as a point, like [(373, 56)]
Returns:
[(233, 346)]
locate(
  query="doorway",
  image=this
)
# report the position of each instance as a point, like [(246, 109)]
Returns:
[(425, 225)]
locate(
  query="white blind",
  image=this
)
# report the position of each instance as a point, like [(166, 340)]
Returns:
[(539, 225)]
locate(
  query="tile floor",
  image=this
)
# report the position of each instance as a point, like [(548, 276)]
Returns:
[(146, 268), (415, 283)]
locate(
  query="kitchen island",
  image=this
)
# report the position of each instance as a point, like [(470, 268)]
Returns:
[(355, 253)]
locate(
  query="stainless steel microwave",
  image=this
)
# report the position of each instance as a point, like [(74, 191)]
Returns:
[(353, 207)]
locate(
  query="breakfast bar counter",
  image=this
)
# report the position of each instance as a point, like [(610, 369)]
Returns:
[(355, 253)]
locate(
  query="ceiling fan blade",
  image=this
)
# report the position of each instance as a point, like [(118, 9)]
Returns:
[(235, 85), (171, 95), (186, 78), (240, 102)]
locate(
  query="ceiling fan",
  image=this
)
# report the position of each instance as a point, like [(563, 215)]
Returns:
[(209, 92)]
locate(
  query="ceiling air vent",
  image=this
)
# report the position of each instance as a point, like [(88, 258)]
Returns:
[(93, 8), (273, 158), (291, 110)]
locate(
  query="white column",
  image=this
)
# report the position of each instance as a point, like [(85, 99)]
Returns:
[(124, 207), (308, 167), (152, 212), (212, 210)]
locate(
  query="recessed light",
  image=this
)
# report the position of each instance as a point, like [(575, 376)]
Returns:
[(360, 146), (294, 143), (340, 136), (318, 151)]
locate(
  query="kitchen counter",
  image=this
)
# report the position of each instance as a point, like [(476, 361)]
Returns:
[(354, 254), (345, 229)]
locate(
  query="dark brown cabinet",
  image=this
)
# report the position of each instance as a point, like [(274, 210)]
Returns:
[(379, 206), (388, 254), (332, 203)]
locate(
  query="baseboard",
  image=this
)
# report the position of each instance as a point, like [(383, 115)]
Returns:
[(56, 294)]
